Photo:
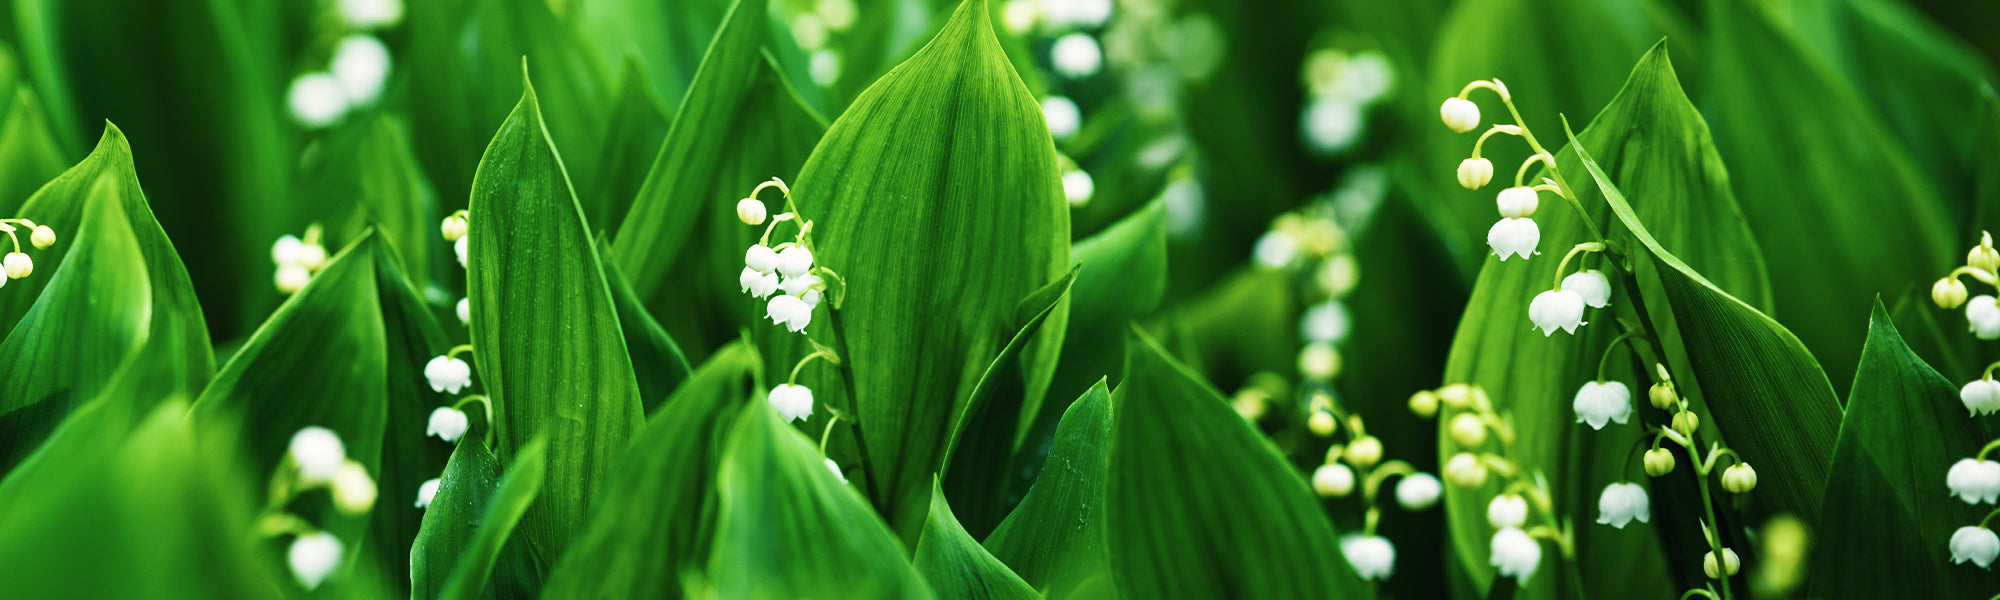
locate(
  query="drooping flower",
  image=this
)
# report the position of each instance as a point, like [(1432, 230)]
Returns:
[(789, 311), (427, 492), (1621, 503), (1659, 461), (1601, 402), (1739, 478), (1514, 237), (1729, 564), (292, 278), (1977, 545), (1556, 309), (316, 100), (1982, 317), (1518, 202), (760, 258), (448, 374), (757, 284), (1592, 285), (1474, 173), (353, 489), (835, 468), (751, 211), (18, 265), (1982, 396), (459, 247), (1507, 510), (1974, 480), (1334, 481), (798, 285), (318, 453), (795, 261), (313, 557), (1327, 321), (1364, 451), (1418, 491), (1459, 114), (1372, 556), (1515, 554), (793, 402), (43, 237), (447, 423), (1948, 293), (465, 311)]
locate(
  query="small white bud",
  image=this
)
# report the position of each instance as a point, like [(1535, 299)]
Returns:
[(1685, 422), (798, 285), (312, 256), (1464, 470), (459, 248), (760, 258), (1372, 556), (448, 374), (1948, 293), (1514, 237), (1333, 481), (1319, 361), (1622, 503), (1981, 397), (318, 453), (1468, 431), (465, 311), (1326, 322), (426, 493), (1974, 481), (1019, 16), (1459, 114), (757, 284), (286, 250), (1275, 249), (789, 311), (1659, 462), (1076, 56), (1518, 202), (1663, 396), (1977, 545), (1474, 173), (1730, 563), (1592, 285), (454, 227), (1078, 187), (1364, 451), (793, 402), (353, 489), (824, 67), (361, 62), (1063, 117), (835, 468), (1507, 510), (1418, 491), (447, 423), (371, 14), (1601, 402), (313, 557), (1739, 478), (751, 211), (1516, 554), (1982, 316), (1321, 423), (18, 265), (292, 278), (795, 261), (43, 237), (316, 100), (1552, 310), (1424, 404)]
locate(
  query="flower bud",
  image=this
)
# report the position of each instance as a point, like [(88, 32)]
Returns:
[(465, 311), (1729, 563), (1663, 395), (1372, 556), (1418, 491), (751, 211), (43, 237), (1659, 462), (1364, 452), (1333, 481), (1459, 114), (353, 490), (1515, 554), (453, 227), (1518, 202), (1739, 478), (1424, 403), (1468, 431), (1983, 256), (1464, 470), (1455, 395), (1321, 423), (1319, 361), (1685, 422), (1475, 173), (292, 278), (1948, 293), (1507, 510), (18, 265)]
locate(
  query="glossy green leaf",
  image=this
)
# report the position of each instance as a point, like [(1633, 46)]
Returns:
[(980, 454), (633, 137), (467, 548), (1055, 539), (547, 341), (657, 363), (1124, 277), (1813, 166), (411, 336), (789, 528), (936, 197), (1903, 429), (394, 198), (656, 522), (1200, 504), (1761, 386), (956, 566), (669, 38)]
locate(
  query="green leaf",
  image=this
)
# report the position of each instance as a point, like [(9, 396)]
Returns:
[(633, 137), (956, 566), (409, 456), (1055, 539), (467, 549), (394, 197), (1200, 504), (789, 529), (936, 197), (546, 335), (1903, 429), (656, 522), (657, 363), (669, 37), (1764, 390), (1124, 277), (1813, 165), (29, 154)]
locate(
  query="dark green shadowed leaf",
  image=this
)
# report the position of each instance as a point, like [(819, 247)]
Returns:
[(935, 196), (394, 198), (956, 566), (1124, 277), (1764, 390), (466, 549), (1813, 166), (632, 138), (982, 447), (411, 336), (546, 336), (657, 363), (789, 529), (1200, 504), (29, 154), (1886, 503), (656, 520), (1055, 538)]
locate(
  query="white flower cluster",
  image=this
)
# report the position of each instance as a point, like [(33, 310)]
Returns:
[(298, 259), (1976, 481), (1341, 87), (455, 228), (449, 374), (789, 266), (357, 71), (1982, 312), (316, 459), (1311, 243), (1473, 426), (1359, 465), (18, 264)]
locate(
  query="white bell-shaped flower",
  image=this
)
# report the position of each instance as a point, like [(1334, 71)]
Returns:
[(1948, 293), (448, 374), (353, 489), (1507, 510), (1514, 237), (1556, 309), (361, 63), (1418, 491), (1623, 503), (313, 557), (1592, 285), (1333, 481), (1982, 317), (751, 211), (798, 285), (1518, 202), (835, 468), (459, 247), (371, 14), (1459, 114), (453, 227), (1601, 402), (1475, 173), (1515, 554), (312, 256), (789, 311), (1326, 322), (1973, 480), (43, 237), (1982, 396), (1464, 470), (427, 492), (757, 284), (760, 258), (795, 261), (1372, 556), (793, 402), (318, 453), (286, 250), (811, 296), (1976, 545), (1076, 55), (447, 423), (465, 311), (316, 100), (18, 265)]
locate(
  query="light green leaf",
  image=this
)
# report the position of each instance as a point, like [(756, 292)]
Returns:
[(657, 363), (1903, 429), (656, 522), (1055, 538), (409, 455), (546, 336), (1200, 504), (467, 548), (669, 37), (29, 154), (983, 444), (788, 528), (1813, 166), (956, 566), (633, 137), (394, 198), (935, 196), (1124, 277)]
